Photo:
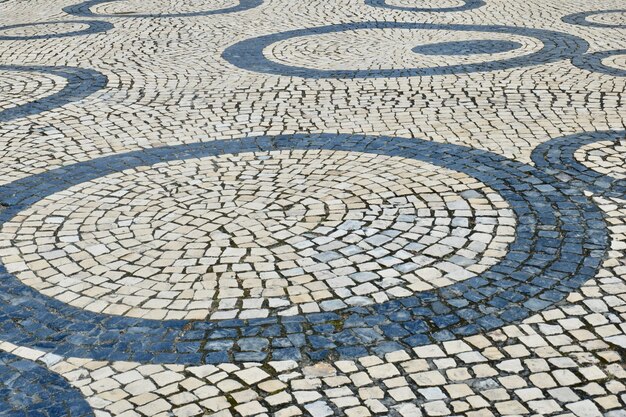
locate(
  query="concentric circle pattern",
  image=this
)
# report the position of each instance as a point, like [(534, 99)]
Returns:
[(530, 277), (280, 208), (390, 49), (298, 53), (253, 235)]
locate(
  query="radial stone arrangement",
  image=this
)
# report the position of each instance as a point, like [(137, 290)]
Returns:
[(277, 208)]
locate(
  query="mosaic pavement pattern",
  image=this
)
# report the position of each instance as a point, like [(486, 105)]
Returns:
[(232, 208)]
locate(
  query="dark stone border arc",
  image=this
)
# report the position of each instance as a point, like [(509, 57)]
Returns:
[(593, 62), (560, 242), (81, 82), (248, 54), (467, 5), (556, 157), (84, 10), (95, 26), (28, 388), (581, 19)]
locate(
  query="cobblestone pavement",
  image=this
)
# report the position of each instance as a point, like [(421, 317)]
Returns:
[(403, 208)]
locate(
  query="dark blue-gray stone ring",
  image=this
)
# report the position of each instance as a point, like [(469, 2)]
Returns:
[(249, 54), (560, 242), (93, 26)]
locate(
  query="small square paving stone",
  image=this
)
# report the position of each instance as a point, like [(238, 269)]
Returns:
[(319, 409)]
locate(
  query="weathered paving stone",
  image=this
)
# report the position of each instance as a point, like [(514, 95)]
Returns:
[(324, 208)]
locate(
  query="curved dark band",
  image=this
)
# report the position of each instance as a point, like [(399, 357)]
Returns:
[(30, 389), (557, 158), (95, 26), (467, 5), (81, 82), (84, 10), (580, 19), (560, 242), (248, 54), (593, 62)]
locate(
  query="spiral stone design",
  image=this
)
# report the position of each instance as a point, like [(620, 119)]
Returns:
[(585, 231)]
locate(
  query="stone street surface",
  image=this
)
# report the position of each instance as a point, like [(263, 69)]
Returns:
[(276, 208)]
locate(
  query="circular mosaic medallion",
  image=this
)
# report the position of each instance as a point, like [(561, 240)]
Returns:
[(398, 49), (297, 187), (253, 235)]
